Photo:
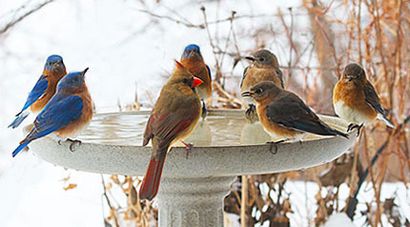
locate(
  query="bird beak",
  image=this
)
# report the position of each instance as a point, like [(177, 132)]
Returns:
[(247, 94), (196, 82), (250, 58), (85, 70)]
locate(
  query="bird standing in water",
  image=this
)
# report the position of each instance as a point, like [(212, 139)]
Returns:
[(193, 61), (67, 112), (283, 114), (172, 119), (43, 90), (355, 99), (264, 67)]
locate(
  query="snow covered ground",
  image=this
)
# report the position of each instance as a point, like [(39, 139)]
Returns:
[(113, 40)]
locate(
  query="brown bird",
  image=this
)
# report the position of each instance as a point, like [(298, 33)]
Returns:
[(172, 119), (355, 99), (283, 114), (192, 60), (264, 67)]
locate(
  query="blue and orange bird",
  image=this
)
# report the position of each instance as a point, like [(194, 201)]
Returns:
[(45, 88), (264, 67), (283, 114), (192, 60), (67, 112), (355, 99)]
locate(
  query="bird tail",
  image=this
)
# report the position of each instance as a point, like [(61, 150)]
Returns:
[(19, 118), (22, 145), (150, 184), (387, 121)]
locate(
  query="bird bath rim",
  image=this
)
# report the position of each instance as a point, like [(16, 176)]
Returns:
[(203, 161)]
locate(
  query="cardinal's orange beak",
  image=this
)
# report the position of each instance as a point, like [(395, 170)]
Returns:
[(196, 82)]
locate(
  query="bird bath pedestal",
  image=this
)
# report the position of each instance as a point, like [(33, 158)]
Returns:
[(192, 189)]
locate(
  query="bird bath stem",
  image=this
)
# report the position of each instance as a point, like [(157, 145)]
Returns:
[(192, 189)]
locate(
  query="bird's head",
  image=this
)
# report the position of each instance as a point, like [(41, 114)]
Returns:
[(354, 72), (73, 81), (182, 77), (263, 59), (55, 64), (191, 51), (262, 91)]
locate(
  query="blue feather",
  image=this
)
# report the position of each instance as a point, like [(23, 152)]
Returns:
[(59, 112), (35, 93), (19, 148), (19, 118)]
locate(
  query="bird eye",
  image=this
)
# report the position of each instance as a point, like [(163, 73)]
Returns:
[(259, 91), (185, 81), (261, 59)]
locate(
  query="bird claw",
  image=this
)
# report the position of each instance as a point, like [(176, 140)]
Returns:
[(73, 143), (204, 110), (188, 148), (275, 145), (251, 114), (354, 126)]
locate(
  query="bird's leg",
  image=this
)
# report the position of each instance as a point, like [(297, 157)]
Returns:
[(73, 143), (188, 148), (204, 110), (355, 126), (275, 145), (359, 128), (350, 127), (250, 113)]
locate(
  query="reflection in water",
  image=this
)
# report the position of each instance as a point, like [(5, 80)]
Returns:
[(217, 130)]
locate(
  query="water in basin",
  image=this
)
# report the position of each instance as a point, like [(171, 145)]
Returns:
[(221, 128)]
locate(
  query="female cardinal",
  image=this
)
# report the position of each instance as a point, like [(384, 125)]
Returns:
[(173, 118)]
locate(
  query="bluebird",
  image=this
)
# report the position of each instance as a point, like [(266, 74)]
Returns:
[(283, 114), (355, 99), (43, 90), (264, 67), (172, 119), (67, 112), (192, 60)]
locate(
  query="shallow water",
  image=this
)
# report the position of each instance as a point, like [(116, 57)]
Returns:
[(219, 129), (128, 129)]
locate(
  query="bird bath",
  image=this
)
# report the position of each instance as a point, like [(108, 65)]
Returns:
[(193, 187)]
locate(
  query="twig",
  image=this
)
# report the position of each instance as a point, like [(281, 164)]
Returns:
[(351, 206), (22, 17)]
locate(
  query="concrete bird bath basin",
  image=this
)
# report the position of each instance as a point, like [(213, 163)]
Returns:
[(192, 189)]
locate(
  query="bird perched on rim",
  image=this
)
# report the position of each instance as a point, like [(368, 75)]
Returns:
[(67, 112), (283, 114), (193, 61), (264, 67), (355, 99), (43, 90), (172, 119)]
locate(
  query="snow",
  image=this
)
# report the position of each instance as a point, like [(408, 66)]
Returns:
[(339, 220)]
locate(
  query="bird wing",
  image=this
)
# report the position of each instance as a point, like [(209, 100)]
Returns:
[(244, 75), (35, 93), (291, 112), (280, 75), (167, 126), (372, 98), (58, 113), (209, 72)]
